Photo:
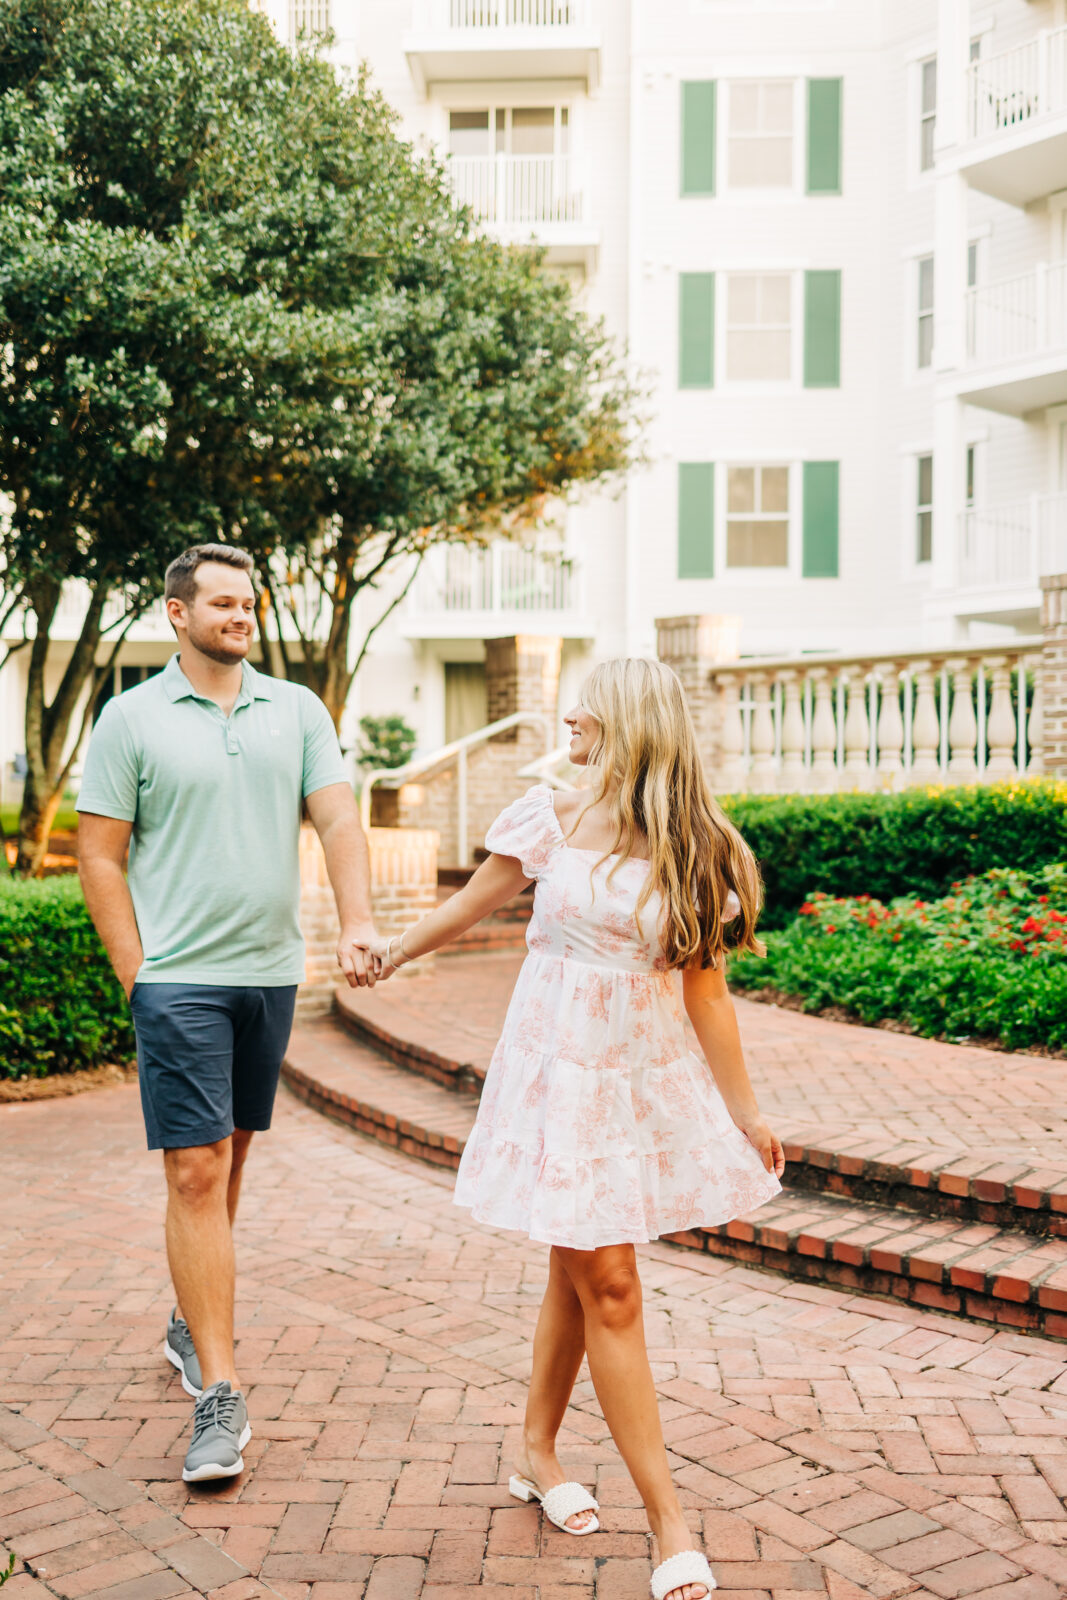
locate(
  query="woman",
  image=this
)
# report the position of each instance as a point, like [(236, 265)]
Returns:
[(598, 1129)]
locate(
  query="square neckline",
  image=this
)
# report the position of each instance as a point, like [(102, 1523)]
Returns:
[(585, 850)]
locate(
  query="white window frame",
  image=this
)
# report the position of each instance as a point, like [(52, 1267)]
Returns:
[(760, 386), (758, 577), (912, 373), (915, 177), (923, 563), (924, 117), (761, 194), (557, 105)]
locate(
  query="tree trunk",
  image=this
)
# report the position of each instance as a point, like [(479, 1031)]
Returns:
[(35, 825)]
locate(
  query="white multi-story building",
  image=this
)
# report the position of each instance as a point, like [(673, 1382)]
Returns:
[(832, 237)]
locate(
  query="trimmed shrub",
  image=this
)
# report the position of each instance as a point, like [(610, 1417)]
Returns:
[(984, 962), (916, 842), (61, 1006)]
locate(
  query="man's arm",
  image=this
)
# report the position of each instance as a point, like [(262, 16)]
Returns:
[(102, 845), (335, 817)]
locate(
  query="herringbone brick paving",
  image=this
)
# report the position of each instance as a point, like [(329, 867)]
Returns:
[(832, 1447)]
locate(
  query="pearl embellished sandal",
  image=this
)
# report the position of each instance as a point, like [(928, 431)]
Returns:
[(688, 1566), (565, 1500)]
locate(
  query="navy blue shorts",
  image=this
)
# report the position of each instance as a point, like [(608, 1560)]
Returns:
[(208, 1059)]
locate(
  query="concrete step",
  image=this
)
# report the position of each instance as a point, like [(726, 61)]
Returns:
[(953, 1265)]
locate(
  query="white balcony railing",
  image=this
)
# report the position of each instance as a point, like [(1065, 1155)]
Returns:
[(501, 13), (503, 578), (517, 190), (801, 725), (1018, 318), (1012, 546), (1017, 86)]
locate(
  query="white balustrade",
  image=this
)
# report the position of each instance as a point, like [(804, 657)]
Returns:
[(1017, 318), (1013, 545), (500, 13), (800, 725), (1017, 86), (504, 577), (517, 190)]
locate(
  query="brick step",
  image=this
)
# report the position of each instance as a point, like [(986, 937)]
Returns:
[(946, 1264), (504, 929), (404, 1022)]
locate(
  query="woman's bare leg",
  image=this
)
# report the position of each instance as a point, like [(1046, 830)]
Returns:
[(559, 1344), (609, 1289)]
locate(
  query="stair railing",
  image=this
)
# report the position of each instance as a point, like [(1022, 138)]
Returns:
[(546, 769), (457, 752)]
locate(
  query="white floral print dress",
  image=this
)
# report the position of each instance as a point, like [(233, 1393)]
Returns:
[(597, 1124)]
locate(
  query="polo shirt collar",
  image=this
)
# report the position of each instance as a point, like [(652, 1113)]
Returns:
[(254, 686)]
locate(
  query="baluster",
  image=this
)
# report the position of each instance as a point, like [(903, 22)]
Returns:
[(823, 735), (1000, 728), (962, 726), (925, 729), (729, 775), (1035, 728), (857, 771), (763, 775), (890, 728), (793, 772)]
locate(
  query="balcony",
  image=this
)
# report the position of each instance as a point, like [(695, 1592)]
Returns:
[(524, 198), (482, 41), (1016, 109), (1016, 359), (465, 593), (1004, 551)]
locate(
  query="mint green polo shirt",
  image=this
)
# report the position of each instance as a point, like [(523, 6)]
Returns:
[(215, 803)]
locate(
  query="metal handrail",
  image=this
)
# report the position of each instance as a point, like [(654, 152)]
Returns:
[(544, 768), (457, 751)]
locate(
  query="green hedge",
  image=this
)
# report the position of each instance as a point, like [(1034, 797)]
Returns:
[(61, 1006), (986, 962), (917, 842)]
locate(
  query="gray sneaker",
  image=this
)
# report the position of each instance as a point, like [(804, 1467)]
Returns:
[(180, 1351), (220, 1433)]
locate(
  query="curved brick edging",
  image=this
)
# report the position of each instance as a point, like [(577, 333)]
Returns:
[(951, 1265)]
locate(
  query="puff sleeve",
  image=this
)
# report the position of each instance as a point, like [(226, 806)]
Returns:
[(528, 830)]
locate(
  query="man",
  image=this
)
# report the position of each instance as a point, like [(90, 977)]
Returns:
[(202, 772)]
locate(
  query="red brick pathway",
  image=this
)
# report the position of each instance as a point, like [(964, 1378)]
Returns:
[(832, 1447)]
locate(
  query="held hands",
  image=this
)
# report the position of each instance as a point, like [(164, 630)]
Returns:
[(358, 958), (390, 955), (767, 1144)]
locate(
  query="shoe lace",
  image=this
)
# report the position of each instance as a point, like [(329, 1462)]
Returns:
[(214, 1410)]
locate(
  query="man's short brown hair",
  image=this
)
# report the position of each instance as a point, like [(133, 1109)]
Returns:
[(180, 582)]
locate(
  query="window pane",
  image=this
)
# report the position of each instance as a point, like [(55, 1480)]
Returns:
[(926, 341), (468, 133), (929, 92), (972, 265), (926, 158), (743, 302), (926, 536), (774, 489), (532, 131), (744, 108), (758, 355), (926, 480), (970, 475), (926, 283), (761, 163), (777, 108), (741, 489), (757, 544), (774, 299)]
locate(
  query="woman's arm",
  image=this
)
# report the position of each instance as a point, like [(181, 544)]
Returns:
[(498, 880), (711, 1011)]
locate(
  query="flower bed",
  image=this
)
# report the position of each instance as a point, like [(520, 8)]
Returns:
[(987, 961)]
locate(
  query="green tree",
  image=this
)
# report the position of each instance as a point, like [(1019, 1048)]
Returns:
[(233, 304)]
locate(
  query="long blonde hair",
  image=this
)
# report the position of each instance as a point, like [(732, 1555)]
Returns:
[(648, 766)]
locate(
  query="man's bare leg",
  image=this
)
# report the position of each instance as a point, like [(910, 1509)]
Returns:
[(200, 1251)]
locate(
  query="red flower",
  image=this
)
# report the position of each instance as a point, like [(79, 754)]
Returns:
[(830, 928)]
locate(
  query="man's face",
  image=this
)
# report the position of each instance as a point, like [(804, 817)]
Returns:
[(221, 620)]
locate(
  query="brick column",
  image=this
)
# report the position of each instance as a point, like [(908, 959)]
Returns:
[(694, 646), (403, 864), (1054, 673), (522, 674)]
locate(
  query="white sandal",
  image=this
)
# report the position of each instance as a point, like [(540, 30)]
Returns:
[(565, 1500), (688, 1566)]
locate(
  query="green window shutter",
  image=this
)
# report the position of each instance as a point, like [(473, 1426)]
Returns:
[(698, 137), (696, 330), (824, 135), (696, 519), (822, 330), (820, 519)]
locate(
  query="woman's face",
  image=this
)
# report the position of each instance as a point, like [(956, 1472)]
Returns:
[(585, 730)]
